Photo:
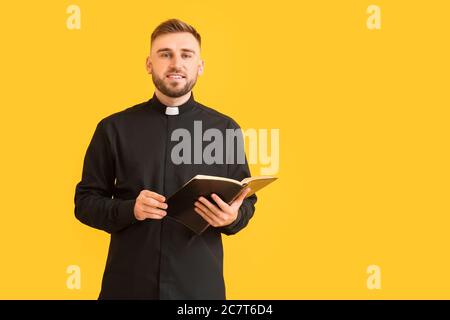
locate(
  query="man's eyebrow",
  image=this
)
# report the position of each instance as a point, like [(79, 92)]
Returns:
[(188, 50), (168, 49), (164, 49)]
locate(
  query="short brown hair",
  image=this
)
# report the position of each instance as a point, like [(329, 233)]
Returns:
[(175, 26)]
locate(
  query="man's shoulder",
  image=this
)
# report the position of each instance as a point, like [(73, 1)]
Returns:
[(220, 116), (134, 110)]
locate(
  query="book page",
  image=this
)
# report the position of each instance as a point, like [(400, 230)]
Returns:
[(257, 183), (205, 177)]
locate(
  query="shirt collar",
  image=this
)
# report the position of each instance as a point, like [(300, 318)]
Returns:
[(183, 108)]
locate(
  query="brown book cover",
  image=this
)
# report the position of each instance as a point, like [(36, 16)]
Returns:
[(181, 203)]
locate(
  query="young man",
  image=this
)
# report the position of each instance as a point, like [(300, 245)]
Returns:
[(129, 173)]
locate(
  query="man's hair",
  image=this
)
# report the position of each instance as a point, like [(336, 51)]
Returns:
[(175, 26)]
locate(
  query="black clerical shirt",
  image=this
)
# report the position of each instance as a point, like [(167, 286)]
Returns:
[(154, 259)]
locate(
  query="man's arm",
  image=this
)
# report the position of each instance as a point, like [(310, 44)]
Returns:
[(230, 218), (245, 213), (238, 172), (242, 211), (94, 205)]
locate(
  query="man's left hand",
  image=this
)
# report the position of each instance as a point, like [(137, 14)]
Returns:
[(220, 214)]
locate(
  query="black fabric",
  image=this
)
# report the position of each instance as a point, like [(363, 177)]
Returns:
[(153, 259)]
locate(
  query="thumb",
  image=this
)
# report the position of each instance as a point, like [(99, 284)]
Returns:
[(241, 198)]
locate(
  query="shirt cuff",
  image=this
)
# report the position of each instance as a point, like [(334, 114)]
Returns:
[(229, 229), (125, 216)]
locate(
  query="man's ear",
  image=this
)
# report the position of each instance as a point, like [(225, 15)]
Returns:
[(202, 67), (148, 65)]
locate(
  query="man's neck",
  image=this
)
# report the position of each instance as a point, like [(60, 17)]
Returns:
[(172, 102)]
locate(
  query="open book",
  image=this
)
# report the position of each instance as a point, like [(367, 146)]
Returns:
[(181, 203)]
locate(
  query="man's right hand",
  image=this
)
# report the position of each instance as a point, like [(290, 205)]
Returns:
[(150, 205)]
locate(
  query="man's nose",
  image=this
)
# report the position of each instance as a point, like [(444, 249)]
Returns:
[(176, 62)]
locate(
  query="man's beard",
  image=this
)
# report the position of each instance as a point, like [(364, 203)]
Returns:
[(173, 92)]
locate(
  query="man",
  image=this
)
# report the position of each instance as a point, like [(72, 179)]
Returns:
[(129, 174)]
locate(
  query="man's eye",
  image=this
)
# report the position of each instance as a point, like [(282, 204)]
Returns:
[(187, 56), (165, 55)]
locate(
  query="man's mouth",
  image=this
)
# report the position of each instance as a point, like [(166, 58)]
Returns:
[(175, 76)]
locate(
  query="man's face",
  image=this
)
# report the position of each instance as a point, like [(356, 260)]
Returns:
[(175, 63)]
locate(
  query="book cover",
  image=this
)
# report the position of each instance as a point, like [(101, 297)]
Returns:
[(181, 204)]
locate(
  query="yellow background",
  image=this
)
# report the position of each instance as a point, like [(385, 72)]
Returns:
[(364, 131)]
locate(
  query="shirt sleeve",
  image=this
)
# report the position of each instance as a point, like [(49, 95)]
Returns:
[(239, 171), (94, 202)]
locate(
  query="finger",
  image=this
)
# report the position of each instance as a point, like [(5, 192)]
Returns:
[(209, 205), (222, 204), (244, 194), (154, 203), (204, 216), (162, 205), (154, 195), (241, 198), (215, 217), (151, 210), (201, 206)]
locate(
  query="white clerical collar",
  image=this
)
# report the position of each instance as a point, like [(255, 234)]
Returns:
[(172, 111)]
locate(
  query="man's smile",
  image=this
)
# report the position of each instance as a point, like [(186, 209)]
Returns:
[(175, 76)]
